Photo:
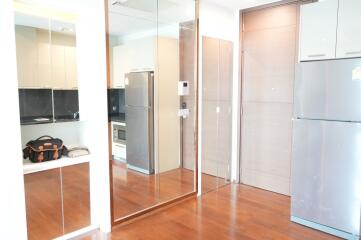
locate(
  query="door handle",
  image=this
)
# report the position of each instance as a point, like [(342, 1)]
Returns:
[(316, 55), (353, 53)]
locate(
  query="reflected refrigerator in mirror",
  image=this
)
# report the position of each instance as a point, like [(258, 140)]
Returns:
[(152, 50), (132, 52)]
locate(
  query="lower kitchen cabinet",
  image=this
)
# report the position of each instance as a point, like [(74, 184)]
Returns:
[(43, 204), (57, 201), (76, 197)]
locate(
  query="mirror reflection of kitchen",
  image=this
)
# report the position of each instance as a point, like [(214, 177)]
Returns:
[(151, 102), (57, 194)]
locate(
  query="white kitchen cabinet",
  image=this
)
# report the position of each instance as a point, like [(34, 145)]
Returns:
[(349, 29), (120, 66), (58, 76), (318, 26), (42, 64), (141, 54), (26, 56), (133, 56), (71, 78), (63, 65), (119, 150)]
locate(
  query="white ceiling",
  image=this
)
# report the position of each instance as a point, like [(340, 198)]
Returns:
[(239, 4)]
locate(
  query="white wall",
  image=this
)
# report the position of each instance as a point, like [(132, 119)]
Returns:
[(91, 50), (69, 132), (12, 201), (92, 73), (216, 21), (219, 22)]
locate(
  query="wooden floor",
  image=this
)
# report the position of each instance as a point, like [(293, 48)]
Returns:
[(232, 212), (134, 191)]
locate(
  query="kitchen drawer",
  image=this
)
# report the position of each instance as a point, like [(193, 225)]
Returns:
[(119, 150)]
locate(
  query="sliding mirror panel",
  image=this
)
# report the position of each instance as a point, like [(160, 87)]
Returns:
[(132, 49), (175, 99), (217, 62), (151, 103), (42, 189), (56, 182)]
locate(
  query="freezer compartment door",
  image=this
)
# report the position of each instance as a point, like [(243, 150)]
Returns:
[(328, 90), (139, 89), (326, 174), (139, 130)]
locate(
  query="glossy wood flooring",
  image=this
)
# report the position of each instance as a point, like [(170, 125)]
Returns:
[(134, 191), (233, 212)]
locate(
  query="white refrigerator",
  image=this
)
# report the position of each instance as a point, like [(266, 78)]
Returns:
[(326, 161), (139, 118)]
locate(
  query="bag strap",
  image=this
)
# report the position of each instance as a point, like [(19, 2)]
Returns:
[(45, 136)]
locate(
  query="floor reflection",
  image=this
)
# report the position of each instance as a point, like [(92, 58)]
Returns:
[(134, 191)]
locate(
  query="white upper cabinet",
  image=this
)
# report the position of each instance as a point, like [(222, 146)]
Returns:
[(27, 57), (71, 79), (133, 56), (318, 26), (349, 29), (58, 74), (43, 63), (142, 54), (119, 66)]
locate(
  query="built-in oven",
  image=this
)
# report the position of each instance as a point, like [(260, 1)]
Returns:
[(119, 133)]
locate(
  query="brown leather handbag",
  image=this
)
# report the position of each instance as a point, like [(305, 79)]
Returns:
[(45, 148)]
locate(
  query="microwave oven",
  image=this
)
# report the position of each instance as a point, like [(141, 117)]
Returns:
[(119, 133)]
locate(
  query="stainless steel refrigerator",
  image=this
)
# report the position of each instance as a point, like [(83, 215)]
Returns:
[(326, 164), (139, 117)]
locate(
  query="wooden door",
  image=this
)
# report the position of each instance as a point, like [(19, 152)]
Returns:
[(269, 53)]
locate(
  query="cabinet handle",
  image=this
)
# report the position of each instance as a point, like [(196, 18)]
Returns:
[(353, 53), (121, 146), (316, 55)]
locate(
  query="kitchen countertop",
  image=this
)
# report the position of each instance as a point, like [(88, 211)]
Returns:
[(117, 117)]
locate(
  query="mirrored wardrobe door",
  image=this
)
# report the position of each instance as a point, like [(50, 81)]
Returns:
[(42, 188), (225, 112), (131, 96), (217, 62), (56, 186), (74, 178), (210, 117), (175, 85)]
